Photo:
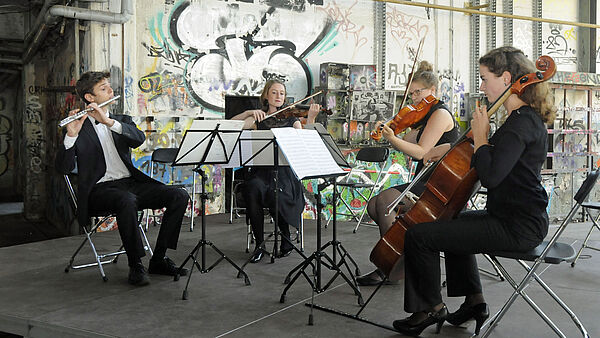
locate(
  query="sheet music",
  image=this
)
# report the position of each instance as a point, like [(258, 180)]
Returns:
[(196, 140), (334, 150), (305, 151)]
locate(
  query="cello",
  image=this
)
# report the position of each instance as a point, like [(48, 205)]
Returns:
[(452, 182)]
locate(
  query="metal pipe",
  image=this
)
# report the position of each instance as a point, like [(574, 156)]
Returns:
[(95, 15), (39, 21), (502, 15), (13, 61), (38, 34)]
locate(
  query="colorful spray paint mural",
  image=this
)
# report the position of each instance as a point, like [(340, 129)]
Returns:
[(187, 68), (239, 47), (395, 173)]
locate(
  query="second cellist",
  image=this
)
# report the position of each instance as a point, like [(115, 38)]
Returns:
[(436, 126)]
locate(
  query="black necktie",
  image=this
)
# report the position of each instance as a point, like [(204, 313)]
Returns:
[(96, 122)]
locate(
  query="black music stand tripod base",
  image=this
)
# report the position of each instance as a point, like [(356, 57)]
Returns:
[(318, 256), (202, 243), (272, 254)]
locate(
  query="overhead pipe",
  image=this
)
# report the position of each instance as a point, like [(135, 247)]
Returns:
[(501, 15), (52, 15), (39, 21), (95, 15)]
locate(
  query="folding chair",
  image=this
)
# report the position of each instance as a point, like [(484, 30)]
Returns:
[(586, 209), (365, 155), (97, 221), (481, 194), (166, 156), (235, 205), (299, 235), (551, 252)]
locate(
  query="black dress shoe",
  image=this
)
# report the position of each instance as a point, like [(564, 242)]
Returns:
[(406, 327), (479, 312), (165, 267), (284, 252), (373, 278), (138, 275), (258, 255)]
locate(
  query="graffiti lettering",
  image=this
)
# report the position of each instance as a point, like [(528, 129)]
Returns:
[(405, 28), (173, 56), (344, 23)]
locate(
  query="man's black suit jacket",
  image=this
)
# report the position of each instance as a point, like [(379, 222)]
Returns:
[(91, 165)]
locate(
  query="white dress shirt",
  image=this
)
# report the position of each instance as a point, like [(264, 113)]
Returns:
[(115, 168)]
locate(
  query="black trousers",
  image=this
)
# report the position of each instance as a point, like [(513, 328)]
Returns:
[(257, 196), (472, 232), (126, 196)]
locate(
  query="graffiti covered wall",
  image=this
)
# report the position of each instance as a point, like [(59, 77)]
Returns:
[(7, 141), (186, 68), (185, 56)]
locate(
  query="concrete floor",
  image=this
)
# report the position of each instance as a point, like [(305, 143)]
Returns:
[(38, 299)]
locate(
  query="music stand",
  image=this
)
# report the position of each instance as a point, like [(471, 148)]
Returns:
[(199, 147), (319, 158), (340, 160)]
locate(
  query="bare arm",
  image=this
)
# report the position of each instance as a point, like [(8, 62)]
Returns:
[(250, 117), (439, 122)]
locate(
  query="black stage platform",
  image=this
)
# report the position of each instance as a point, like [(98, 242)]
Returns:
[(38, 299)]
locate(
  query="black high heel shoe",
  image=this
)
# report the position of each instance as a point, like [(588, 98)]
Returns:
[(258, 255), (479, 312), (405, 327)]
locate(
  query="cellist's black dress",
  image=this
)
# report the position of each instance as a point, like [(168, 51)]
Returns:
[(259, 193)]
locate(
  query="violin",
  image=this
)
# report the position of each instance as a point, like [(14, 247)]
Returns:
[(406, 117), (410, 114), (451, 183), (291, 106), (301, 110)]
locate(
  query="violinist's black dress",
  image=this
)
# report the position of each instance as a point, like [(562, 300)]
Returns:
[(448, 137), (259, 192)]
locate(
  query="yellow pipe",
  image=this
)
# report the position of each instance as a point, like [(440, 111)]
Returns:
[(502, 15)]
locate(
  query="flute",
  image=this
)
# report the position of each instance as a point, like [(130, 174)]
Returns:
[(80, 113)]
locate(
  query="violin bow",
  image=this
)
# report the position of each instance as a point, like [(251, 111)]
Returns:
[(292, 105), (412, 73)]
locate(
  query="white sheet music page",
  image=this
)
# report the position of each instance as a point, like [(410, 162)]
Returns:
[(305, 151)]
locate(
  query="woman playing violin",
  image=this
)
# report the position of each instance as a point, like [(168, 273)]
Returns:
[(259, 185), (508, 164), (436, 127)]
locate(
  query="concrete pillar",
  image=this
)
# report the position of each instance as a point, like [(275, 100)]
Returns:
[(34, 152), (586, 42)]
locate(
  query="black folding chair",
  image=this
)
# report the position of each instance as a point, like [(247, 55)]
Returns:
[(166, 156), (97, 221), (551, 252), (365, 155), (586, 207)]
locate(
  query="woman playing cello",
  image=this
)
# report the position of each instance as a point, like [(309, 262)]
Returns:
[(508, 164), (436, 127)]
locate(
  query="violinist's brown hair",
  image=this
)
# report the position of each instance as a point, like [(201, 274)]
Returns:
[(265, 92), (513, 60), (425, 75)]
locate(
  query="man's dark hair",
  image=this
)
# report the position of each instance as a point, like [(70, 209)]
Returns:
[(87, 81)]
